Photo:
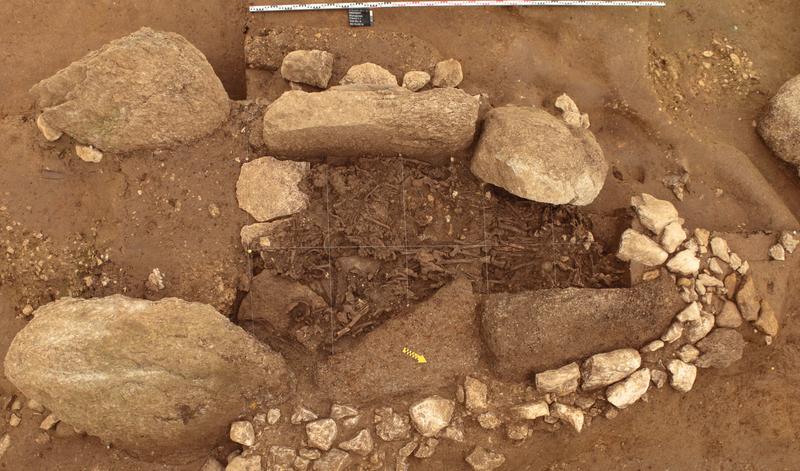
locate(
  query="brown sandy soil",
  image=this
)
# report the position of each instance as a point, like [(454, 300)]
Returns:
[(656, 109)]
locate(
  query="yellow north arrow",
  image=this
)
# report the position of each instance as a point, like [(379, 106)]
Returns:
[(420, 358)]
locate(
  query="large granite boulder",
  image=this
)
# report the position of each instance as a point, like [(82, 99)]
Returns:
[(159, 379), (534, 155), (361, 120), (149, 89), (534, 331), (443, 329), (780, 124)]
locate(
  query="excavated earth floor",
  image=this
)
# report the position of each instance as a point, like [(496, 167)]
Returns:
[(658, 107)]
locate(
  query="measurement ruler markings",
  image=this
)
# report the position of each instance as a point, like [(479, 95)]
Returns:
[(456, 3)]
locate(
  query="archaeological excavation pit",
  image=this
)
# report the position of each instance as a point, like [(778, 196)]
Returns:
[(402, 252)]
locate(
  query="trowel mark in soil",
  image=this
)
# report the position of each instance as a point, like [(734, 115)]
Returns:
[(381, 235)]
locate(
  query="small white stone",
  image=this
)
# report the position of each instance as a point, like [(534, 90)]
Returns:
[(476, 395), (701, 236), (696, 330), (673, 333), (361, 444), (273, 416), (688, 353), (789, 241), (709, 281), (416, 80), (88, 154), (14, 420), (654, 214), (571, 415), (719, 247), (431, 415), (321, 433), (736, 261), (715, 265), (302, 415), (691, 313), (653, 346), (684, 262), (658, 377), (683, 375), (49, 133), (340, 411), (603, 369), (530, 411), (5, 444), (629, 390), (489, 420), (777, 252), (673, 236), (242, 432), (637, 247), (49, 422), (560, 381)]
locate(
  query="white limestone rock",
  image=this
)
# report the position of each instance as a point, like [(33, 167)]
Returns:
[(476, 395), (719, 247), (637, 247), (684, 263), (560, 381), (691, 313), (268, 188), (322, 433), (654, 214), (531, 411), (629, 390), (603, 369), (569, 414), (682, 375), (431, 415), (789, 241), (362, 444), (673, 333), (673, 236)]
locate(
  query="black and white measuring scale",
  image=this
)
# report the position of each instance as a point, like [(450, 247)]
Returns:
[(360, 13)]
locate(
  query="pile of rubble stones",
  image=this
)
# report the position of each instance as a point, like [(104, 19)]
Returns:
[(78, 358)]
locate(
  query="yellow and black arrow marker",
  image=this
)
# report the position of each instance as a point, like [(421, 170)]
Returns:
[(411, 353)]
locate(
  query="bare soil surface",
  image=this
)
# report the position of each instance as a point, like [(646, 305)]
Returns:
[(658, 107)]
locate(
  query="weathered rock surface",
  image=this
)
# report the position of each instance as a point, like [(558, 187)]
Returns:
[(569, 414), (146, 90), (637, 247), (482, 459), (720, 349), (153, 378), (559, 381), (241, 463), (654, 214), (416, 80), (696, 330), (603, 369), (322, 433), (530, 411), (242, 432), (312, 67), (607, 319), (629, 390), (536, 156), (682, 375), (789, 241), (729, 316), (570, 112), (780, 124), (448, 73), (748, 300), (391, 426), (684, 263), (688, 353), (371, 368), (690, 313), (431, 415), (673, 236), (355, 121), (361, 444), (476, 395), (267, 188), (767, 320), (369, 74), (266, 311)]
